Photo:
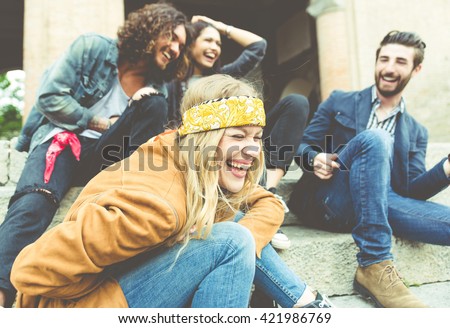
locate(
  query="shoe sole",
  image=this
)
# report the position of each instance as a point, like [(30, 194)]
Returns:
[(366, 293), (281, 245)]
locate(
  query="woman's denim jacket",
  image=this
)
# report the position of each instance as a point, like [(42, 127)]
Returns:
[(76, 81)]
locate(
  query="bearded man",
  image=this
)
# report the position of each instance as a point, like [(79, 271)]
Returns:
[(364, 161)]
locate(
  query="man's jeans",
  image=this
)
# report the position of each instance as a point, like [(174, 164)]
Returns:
[(34, 203), (359, 198), (216, 272)]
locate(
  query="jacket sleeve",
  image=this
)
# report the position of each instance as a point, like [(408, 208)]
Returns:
[(66, 262), (252, 55), (314, 136), (264, 217), (56, 94), (424, 184)]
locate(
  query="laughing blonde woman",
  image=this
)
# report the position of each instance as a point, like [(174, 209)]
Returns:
[(181, 222)]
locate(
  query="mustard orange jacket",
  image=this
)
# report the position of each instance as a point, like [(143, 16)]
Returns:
[(125, 210)]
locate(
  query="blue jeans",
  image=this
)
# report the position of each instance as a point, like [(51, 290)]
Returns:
[(34, 203), (361, 199), (213, 273), (216, 272), (274, 278)]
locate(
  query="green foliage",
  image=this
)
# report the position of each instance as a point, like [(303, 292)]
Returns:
[(10, 113), (10, 122), (4, 82)]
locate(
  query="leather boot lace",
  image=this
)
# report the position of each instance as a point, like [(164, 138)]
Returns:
[(389, 272)]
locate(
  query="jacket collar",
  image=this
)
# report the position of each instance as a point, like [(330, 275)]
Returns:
[(113, 53)]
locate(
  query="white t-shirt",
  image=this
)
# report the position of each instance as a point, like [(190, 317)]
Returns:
[(113, 103)]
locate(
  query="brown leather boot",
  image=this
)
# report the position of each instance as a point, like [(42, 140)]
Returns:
[(382, 283)]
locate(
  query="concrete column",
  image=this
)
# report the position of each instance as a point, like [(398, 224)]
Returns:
[(50, 26), (333, 44)]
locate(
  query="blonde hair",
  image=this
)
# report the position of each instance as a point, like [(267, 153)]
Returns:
[(206, 202)]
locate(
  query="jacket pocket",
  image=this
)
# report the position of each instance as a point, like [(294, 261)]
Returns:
[(87, 92), (345, 121)]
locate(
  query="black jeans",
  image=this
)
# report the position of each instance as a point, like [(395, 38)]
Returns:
[(34, 203), (285, 124)]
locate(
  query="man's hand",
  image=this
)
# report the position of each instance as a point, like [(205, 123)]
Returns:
[(324, 165), (99, 124)]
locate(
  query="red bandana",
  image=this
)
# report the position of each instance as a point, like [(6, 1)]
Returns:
[(60, 141)]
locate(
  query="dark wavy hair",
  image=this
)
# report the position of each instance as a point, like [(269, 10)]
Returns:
[(137, 36), (176, 88), (195, 30), (408, 39)]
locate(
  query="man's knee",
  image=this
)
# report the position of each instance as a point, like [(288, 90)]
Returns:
[(32, 209), (34, 194), (154, 106), (378, 139), (377, 135)]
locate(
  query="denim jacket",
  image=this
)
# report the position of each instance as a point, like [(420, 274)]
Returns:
[(70, 86)]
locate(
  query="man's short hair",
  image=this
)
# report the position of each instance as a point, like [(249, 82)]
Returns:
[(408, 39)]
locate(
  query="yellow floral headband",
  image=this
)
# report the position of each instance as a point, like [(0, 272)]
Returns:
[(223, 113)]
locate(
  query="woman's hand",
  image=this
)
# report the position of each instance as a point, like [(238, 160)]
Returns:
[(143, 92), (221, 27)]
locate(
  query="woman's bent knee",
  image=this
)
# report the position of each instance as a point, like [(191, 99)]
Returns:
[(236, 236)]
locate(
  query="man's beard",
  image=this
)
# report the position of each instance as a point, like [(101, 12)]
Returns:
[(402, 83), (159, 75)]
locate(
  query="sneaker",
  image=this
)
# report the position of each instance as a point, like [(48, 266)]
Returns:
[(280, 240), (321, 301), (382, 283)]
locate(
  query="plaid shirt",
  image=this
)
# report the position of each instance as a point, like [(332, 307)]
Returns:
[(390, 122)]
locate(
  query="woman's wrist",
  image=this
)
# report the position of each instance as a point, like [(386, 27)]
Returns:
[(228, 31)]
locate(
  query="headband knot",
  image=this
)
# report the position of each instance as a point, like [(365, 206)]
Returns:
[(223, 113)]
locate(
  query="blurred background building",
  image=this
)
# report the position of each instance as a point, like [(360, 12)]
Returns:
[(314, 46)]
